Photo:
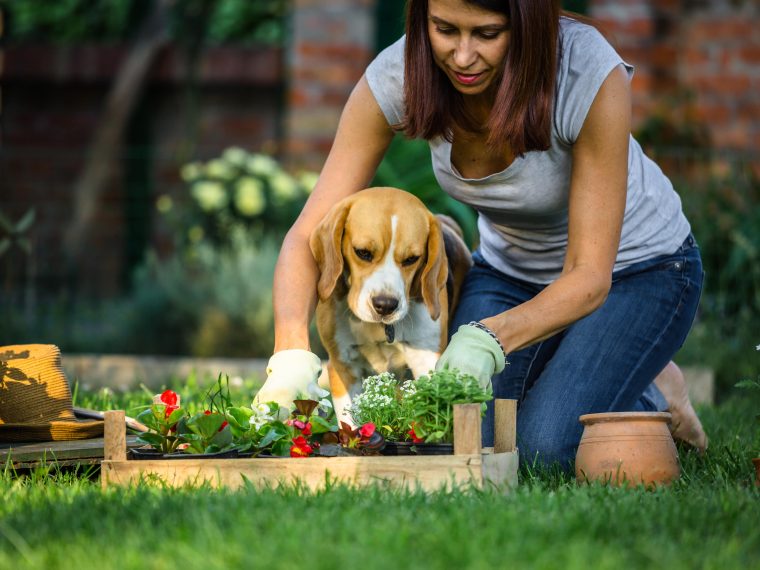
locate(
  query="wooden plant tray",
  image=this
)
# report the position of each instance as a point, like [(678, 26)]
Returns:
[(469, 466)]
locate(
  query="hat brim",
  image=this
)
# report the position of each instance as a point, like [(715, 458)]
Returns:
[(56, 430)]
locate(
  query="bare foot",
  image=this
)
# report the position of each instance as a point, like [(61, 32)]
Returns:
[(685, 426)]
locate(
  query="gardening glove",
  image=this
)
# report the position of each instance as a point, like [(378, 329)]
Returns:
[(289, 375), (473, 351)]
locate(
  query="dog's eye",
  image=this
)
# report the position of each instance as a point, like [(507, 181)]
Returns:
[(364, 254), (411, 260)]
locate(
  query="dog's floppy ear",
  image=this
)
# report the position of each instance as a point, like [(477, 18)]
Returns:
[(436, 269), (325, 242)]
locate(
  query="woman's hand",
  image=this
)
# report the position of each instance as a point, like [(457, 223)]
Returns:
[(473, 351)]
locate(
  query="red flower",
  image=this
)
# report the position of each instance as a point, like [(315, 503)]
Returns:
[(304, 427), (367, 430), (169, 398), (300, 447), (169, 410), (413, 435)]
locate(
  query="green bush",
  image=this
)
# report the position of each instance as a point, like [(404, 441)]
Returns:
[(72, 21)]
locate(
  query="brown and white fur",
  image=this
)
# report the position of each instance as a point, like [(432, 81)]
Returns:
[(390, 272)]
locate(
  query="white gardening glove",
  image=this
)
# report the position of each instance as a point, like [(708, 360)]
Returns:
[(290, 373)]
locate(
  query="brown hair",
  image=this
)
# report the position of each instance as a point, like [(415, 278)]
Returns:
[(522, 111)]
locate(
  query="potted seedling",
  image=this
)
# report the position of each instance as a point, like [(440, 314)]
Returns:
[(416, 417)]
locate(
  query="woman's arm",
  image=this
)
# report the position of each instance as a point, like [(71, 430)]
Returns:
[(361, 140), (596, 206)]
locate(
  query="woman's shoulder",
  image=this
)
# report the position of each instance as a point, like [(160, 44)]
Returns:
[(385, 77), (577, 36)]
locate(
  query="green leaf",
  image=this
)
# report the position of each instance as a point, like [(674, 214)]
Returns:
[(151, 438), (175, 416), (239, 417), (222, 438), (206, 425), (282, 448), (321, 425), (25, 222), (5, 245)]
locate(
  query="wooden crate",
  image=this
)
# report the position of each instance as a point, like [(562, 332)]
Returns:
[(469, 466)]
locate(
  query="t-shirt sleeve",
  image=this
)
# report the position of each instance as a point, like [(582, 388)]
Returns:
[(385, 77), (586, 61)]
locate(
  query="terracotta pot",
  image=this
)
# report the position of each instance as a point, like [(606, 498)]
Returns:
[(756, 462), (627, 448)]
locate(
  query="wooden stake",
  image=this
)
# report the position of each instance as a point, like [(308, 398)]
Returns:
[(115, 435), (467, 436), (505, 426)]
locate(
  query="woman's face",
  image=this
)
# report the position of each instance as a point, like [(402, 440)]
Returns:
[(469, 44)]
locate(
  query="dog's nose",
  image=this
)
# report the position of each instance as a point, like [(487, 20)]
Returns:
[(384, 305)]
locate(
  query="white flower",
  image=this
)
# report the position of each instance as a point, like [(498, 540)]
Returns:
[(191, 171), (284, 188), (757, 347), (210, 196), (235, 156), (249, 196), (219, 168), (262, 164)]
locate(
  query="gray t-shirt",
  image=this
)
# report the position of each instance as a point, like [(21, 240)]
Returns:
[(523, 210)]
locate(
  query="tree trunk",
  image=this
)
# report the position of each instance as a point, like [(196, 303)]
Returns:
[(106, 143)]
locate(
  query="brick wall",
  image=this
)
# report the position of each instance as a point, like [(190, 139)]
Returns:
[(709, 48), (332, 41)]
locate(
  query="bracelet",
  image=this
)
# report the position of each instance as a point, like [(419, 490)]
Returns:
[(484, 328)]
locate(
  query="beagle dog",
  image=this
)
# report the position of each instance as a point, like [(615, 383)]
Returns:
[(390, 273)]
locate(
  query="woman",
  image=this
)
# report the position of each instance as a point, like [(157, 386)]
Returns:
[(586, 277)]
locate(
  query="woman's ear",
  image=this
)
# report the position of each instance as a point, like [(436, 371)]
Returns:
[(435, 271), (325, 242)]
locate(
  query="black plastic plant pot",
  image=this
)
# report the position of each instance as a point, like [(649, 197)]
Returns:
[(150, 453), (410, 448)]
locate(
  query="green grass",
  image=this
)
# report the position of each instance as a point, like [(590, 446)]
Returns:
[(707, 519)]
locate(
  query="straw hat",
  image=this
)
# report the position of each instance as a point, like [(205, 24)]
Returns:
[(35, 400)]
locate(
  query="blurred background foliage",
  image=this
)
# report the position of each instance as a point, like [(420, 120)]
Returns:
[(74, 21), (211, 295)]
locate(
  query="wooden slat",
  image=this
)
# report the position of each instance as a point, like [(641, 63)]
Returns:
[(64, 452), (429, 472), (505, 425), (114, 433), (467, 435)]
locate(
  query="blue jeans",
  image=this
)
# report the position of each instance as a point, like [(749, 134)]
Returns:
[(605, 362)]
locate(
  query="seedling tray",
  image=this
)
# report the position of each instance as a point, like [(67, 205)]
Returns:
[(469, 466)]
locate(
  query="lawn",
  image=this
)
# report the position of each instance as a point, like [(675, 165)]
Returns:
[(710, 518)]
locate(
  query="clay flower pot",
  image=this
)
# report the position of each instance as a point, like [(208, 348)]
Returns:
[(756, 462), (627, 448)]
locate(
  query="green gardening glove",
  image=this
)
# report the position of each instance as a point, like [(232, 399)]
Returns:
[(473, 351)]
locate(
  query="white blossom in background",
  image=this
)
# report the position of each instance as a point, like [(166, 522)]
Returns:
[(262, 165), (249, 196), (220, 169), (235, 156), (191, 171), (210, 195), (284, 188)]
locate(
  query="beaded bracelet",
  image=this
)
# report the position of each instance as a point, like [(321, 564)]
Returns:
[(481, 326)]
